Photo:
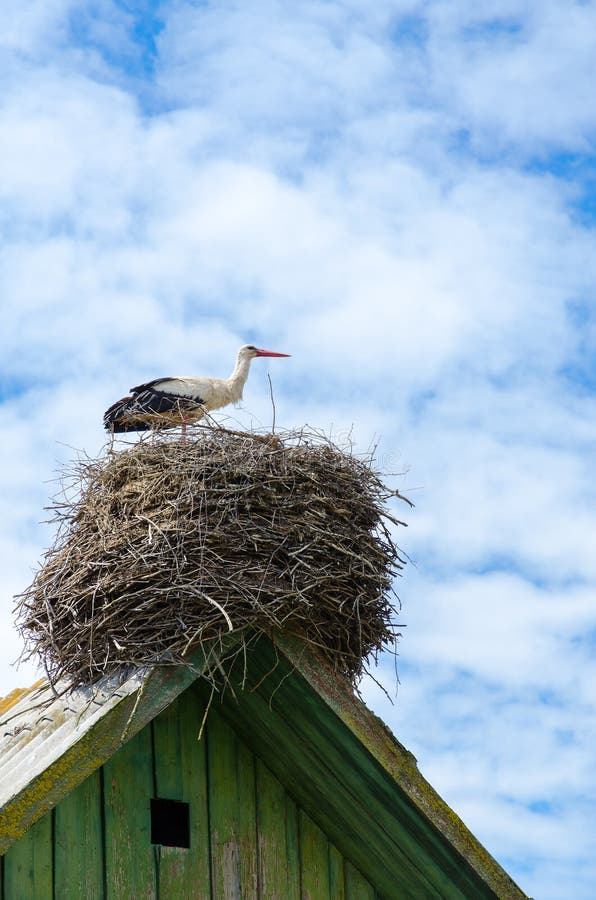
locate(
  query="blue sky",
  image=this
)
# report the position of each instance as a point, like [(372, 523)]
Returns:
[(402, 196)]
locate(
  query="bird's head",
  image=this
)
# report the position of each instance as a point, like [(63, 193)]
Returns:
[(249, 351)]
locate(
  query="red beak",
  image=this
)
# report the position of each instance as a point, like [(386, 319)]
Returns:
[(270, 353)]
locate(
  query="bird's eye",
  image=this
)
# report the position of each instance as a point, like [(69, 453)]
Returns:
[(250, 347)]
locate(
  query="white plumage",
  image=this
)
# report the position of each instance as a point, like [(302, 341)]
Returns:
[(177, 400)]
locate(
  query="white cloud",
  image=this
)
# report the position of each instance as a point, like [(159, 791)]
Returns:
[(29, 26), (503, 629), (519, 72)]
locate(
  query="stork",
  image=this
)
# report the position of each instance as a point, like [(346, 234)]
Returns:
[(168, 402)]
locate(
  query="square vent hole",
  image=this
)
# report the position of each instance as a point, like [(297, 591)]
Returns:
[(170, 822)]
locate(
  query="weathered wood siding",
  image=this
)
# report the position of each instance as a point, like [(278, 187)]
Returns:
[(248, 838)]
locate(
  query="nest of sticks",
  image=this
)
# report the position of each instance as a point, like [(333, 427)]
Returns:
[(172, 543)]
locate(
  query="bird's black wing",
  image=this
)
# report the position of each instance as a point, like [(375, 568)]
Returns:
[(151, 385), (137, 411)]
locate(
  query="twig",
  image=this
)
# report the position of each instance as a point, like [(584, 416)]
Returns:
[(272, 402)]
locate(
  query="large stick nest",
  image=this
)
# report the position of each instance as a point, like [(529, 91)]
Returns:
[(167, 544)]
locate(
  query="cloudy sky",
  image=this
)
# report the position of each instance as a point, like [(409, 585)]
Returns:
[(402, 195)]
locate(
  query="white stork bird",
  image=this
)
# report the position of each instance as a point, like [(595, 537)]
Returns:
[(173, 401)]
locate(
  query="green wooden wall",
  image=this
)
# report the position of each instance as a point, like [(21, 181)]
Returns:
[(248, 838)]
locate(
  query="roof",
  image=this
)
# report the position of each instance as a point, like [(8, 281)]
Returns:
[(339, 760), (52, 739)]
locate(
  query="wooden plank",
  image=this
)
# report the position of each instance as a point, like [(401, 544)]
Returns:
[(336, 874), (357, 887), (221, 774), (293, 848), (232, 812), (128, 788), (314, 860), (247, 821), (193, 760), (166, 750), (28, 864), (78, 847), (180, 774), (274, 881), (223, 800)]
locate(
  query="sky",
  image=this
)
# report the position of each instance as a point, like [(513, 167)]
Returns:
[(402, 195)]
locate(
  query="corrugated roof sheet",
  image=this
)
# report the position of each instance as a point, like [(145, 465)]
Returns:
[(15, 695), (38, 724)]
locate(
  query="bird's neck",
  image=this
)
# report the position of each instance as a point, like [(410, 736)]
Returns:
[(237, 379)]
